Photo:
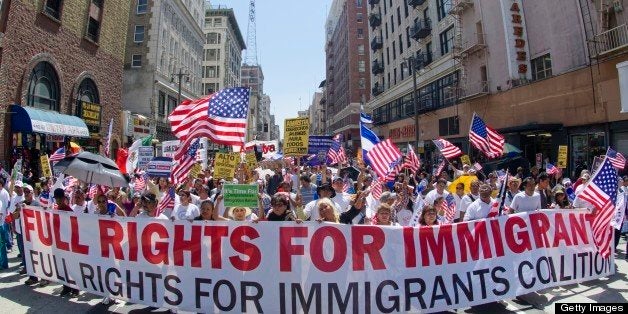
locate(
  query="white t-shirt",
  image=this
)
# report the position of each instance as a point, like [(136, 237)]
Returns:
[(524, 203), (5, 198), (433, 195), (311, 210), (478, 210), (188, 212), (15, 200), (80, 209), (466, 201), (343, 200), (404, 217), (144, 214)]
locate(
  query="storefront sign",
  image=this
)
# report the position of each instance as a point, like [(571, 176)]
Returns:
[(407, 131), (244, 195), (91, 113), (225, 165), (296, 135), (516, 39), (562, 157), (140, 126), (144, 156), (54, 138), (45, 166)]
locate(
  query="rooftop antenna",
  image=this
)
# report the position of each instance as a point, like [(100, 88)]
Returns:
[(250, 57)]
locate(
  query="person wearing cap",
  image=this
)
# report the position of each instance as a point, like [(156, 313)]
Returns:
[(341, 198), (512, 189), (440, 191), (311, 209), (481, 207), (527, 200), (560, 199)]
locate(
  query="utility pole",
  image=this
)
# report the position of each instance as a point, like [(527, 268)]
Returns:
[(180, 76), (412, 63)]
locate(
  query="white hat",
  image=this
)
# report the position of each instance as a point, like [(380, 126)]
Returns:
[(18, 184)]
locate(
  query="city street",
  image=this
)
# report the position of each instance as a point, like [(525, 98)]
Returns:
[(15, 297)]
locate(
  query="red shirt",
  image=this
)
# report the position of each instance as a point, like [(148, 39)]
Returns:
[(64, 207)]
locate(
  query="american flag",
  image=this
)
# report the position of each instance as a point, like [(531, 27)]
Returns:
[(449, 207), (167, 202), (485, 139), (140, 184), (93, 190), (181, 170), (108, 140), (440, 168), (412, 161), (551, 169), (59, 154), (477, 166), (336, 153), (448, 149), (226, 122), (44, 199), (184, 116), (376, 189), (601, 192), (499, 204), (617, 159), (70, 182), (346, 185), (397, 166), (383, 156)]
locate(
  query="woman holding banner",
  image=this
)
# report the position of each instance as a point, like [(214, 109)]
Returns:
[(185, 210), (382, 216), (327, 211), (209, 212), (429, 217)]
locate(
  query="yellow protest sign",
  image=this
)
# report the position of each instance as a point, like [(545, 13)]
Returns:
[(196, 170), (562, 157), (45, 166), (465, 160), (250, 159), (296, 135), (225, 165)]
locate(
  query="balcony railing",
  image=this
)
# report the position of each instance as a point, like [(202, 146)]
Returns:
[(415, 3), (476, 43), (458, 6), (474, 90), (377, 67), (424, 59), (611, 40), (377, 89), (421, 29), (376, 43), (375, 19)]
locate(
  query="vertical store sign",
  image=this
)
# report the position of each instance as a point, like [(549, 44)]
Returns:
[(517, 51)]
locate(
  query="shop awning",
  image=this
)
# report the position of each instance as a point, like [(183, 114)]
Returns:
[(32, 120)]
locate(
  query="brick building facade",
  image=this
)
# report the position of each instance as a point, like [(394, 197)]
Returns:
[(61, 59)]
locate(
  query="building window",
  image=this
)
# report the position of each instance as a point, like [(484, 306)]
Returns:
[(53, 8), (142, 6), (93, 28), (136, 61), (218, 21), (360, 17), (87, 91), (398, 16), (442, 7), (212, 54), (392, 23), (361, 50), (541, 67), (161, 105), (448, 126), (213, 38), (138, 36), (362, 83), (394, 50), (387, 54), (212, 71), (446, 41), (358, 3), (400, 45), (405, 7), (361, 66), (172, 103), (408, 42), (43, 87), (360, 33)]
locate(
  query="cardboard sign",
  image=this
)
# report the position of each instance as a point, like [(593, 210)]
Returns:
[(45, 166), (195, 171), (250, 159), (465, 160), (144, 155), (296, 135), (225, 164), (562, 156), (244, 195)]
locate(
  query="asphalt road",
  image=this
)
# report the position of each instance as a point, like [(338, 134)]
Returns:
[(15, 297)]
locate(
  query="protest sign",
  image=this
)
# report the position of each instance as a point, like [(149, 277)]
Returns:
[(465, 160), (244, 195), (296, 134), (251, 162), (225, 165), (159, 167), (168, 149), (287, 267), (562, 157), (268, 148), (45, 166), (144, 155)]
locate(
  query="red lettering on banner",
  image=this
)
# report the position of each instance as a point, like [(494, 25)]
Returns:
[(540, 225), (524, 243), (359, 248), (77, 247), (216, 233), (180, 244), (317, 249), (473, 239), (578, 229), (111, 240), (436, 248), (27, 215), (287, 249), (409, 248), (56, 226), (496, 232), (560, 233), (131, 227), (45, 239), (160, 255), (245, 248)]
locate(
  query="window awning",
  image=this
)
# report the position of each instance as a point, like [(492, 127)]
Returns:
[(32, 120)]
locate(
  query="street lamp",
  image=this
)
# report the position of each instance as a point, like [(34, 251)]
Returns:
[(180, 76), (413, 63)]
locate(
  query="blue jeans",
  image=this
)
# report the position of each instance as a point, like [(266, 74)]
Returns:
[(4, 260), (6, 235), (20, 247)]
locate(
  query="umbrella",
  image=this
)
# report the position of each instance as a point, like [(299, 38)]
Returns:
[(352, 172), (511, 150), (263, 172), (93, 169)]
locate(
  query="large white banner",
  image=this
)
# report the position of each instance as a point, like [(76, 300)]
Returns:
[(269, 148), (287, 267)]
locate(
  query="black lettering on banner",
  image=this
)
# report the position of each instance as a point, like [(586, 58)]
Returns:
[(562, 276), (172, 289), (482, 272), (56, 269), (333, 295), (153, 283), (394, 299), (282, 297), (500, 280), (460, 285), (418, 294), (139, 284), (86, 267), (197, 290), (438, 283), (521, 273), (367, 299), (115, 283), (47, 272), (255, 297), (232, 295), (315, 293)]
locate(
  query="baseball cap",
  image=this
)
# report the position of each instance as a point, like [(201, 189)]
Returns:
[(58, 193)]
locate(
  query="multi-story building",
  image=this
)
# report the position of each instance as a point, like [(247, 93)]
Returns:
[(347, 68), (274, 128), (303, 113), (407, 37), (223, 50), (61, 65), (317, 115), (164, 52), (252, 76), (263, 119)]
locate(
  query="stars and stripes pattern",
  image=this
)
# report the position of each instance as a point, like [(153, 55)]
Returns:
[(44, 199), (477, 166), (69, 183), (336, 153), (449, 208), (446, 148), (440, 168), (225, 121), (617, 159), (376, 189), (412, 161), (93, 190), (551, 169), (485, 139), (346, 185), (59, 154), (397, 166), (184, 116), (601, 192), (140, 184), (167, 202), (382, 157), (181, 170)]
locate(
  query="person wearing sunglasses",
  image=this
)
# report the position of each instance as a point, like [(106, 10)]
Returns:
[(106, 207), (185, 210)]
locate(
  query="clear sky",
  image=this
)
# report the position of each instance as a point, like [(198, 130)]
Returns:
[(290, 49)]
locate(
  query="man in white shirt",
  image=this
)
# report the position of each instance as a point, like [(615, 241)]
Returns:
[(527, 200), (341, 198), (5, 229), (311, 209), (469, 197), (438, 192), (481, 207)]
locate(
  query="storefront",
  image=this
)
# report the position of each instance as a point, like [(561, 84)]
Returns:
[(585, 143), (89, 109)]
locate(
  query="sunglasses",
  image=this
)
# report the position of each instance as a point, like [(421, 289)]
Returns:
[(101, 201)]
